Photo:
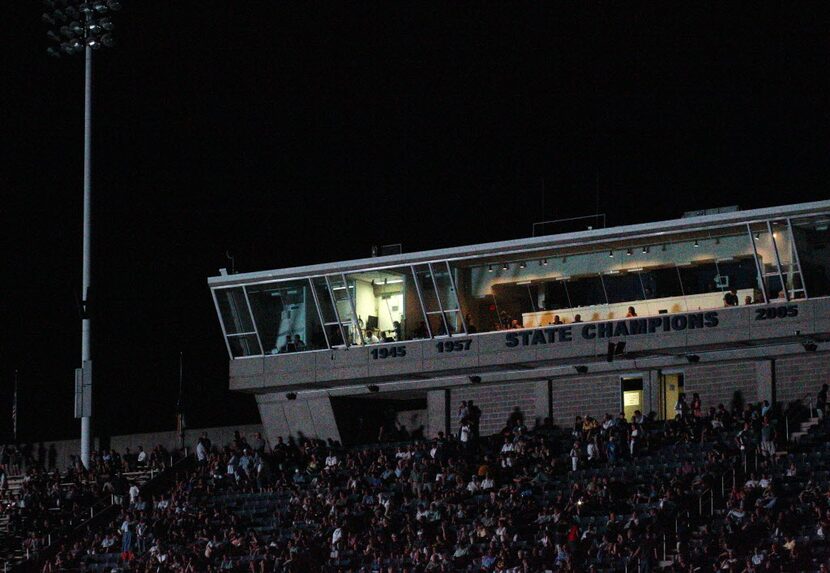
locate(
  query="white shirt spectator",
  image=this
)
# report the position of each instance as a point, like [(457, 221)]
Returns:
[(201, 452), (331, 461), (464, 434), (133, 493)]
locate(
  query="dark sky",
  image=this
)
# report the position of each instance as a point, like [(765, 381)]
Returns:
[(294, 133)]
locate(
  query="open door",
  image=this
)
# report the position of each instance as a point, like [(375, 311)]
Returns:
[(671, 386), (631, 388)]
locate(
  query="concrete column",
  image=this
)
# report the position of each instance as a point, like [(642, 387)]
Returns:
[(765, 377), (542, 402), (312, 418), (437, 420), (651, 391)]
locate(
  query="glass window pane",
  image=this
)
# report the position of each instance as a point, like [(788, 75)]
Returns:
[(623, 287), (286, 317), (324, 298), (234, 310), (445, 286), (812, 239), (717, 269), (428, 292), (768, 262), (243, 345), (343, 298), (661, 282), (387, 305)]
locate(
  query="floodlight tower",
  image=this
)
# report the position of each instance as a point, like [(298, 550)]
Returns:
[(82, 26)]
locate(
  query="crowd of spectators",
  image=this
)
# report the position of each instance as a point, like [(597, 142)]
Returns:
[(45, 503), (701, 492)]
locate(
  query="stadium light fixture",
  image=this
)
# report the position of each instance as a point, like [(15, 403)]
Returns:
[(291, 395), (86, 31), (696, 244), (809, 346), (628, 252), (505, 266), (373, 388), (693, 358), (610, 254), (490, 269), (581, 369), (475, 379)]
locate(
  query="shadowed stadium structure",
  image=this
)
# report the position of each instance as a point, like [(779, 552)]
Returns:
[(605, 320)]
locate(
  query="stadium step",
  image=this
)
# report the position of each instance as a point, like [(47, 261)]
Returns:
[(804, 429)]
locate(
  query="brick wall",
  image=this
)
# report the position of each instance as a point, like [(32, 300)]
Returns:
[(716, 383), (588, 396), (797, 376), (497, 403)]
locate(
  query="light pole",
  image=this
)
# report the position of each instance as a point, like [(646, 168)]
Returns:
[(82, 26)]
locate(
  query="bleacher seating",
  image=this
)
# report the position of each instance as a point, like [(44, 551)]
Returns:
[(687, 500)]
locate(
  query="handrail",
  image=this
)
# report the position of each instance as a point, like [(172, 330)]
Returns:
[(711, 501)]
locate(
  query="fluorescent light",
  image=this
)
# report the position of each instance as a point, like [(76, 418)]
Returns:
[(523, 283)]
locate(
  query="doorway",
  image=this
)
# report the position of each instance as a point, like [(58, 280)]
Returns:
[(631, 391), (671, 386)]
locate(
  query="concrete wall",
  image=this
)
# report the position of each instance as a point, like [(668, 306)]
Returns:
[(676, 335), (589, 395), (799, 375), (794, 376), (220, 436), (717, 383), (413, 420), (313, 418)]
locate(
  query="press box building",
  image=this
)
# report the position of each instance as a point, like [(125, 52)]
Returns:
[(609, 320)]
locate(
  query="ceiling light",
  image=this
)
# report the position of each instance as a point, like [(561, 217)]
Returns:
[(696, 244), (610, 254)]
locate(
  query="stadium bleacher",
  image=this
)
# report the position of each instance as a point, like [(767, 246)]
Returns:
[(689, 499)]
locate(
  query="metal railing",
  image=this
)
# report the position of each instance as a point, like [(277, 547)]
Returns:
[(700, 499)]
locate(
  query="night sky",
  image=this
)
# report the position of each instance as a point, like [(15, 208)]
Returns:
[(297, 133)]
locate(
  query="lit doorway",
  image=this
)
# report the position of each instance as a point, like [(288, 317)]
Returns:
[(671, 386), (631, 388)]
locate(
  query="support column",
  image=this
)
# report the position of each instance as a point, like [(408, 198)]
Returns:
[(313, 418), (765, 380), (437, 414)]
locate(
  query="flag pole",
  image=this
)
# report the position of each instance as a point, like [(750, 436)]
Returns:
[(14, 406), (180, 422)]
